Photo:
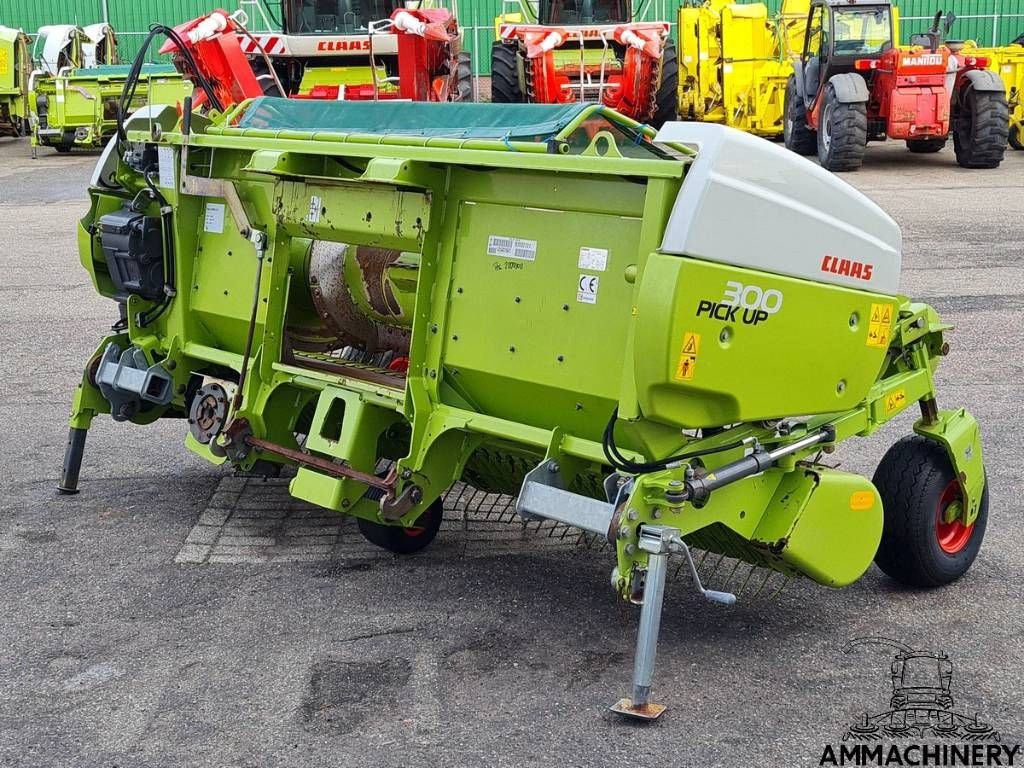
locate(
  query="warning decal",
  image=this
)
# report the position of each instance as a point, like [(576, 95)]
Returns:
[(688, 356), (895, 400), (315, 207), (879, 325)]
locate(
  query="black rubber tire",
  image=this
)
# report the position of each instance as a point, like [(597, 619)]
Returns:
[(63, 148), (1016, 137), (666, 100), (926, 146), (981, 128), (842, 133), (464, 79), (505, 87), (795, 134), (264, 77), (404, 541), (911, 479)]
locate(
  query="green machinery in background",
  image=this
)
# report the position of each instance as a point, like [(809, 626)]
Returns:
[(548, 301), (75, 90), (14, 71)]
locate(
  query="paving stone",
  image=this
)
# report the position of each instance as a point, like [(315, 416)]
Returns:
[(247, 541), (192, 553), (237, 559), (203, 534)]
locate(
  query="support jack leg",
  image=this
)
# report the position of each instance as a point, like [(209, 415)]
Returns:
[(655, 540), (658, 541), (72, 461)]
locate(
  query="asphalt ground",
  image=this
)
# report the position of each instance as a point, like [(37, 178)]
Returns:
[(114, 654)]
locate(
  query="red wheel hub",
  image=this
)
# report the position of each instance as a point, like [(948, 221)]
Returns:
[(952, 536)]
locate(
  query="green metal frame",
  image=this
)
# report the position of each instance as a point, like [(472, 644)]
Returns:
[(502, 358)]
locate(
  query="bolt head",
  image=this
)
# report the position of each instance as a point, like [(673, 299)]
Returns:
[(625, 531), (632, 514)]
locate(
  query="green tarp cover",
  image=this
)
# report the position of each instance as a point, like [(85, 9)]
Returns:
[(409, 118), (122, 70)]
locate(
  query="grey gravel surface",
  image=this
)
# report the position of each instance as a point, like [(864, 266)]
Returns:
[(114, 654)]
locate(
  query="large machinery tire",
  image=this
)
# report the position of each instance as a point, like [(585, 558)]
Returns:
[(926, 146), (981, 128), (405, 541), (1016, 138), (264, 77), (667, 98), (795, 133), (842, 133), (505, 87), (464, 79), (918, 485)]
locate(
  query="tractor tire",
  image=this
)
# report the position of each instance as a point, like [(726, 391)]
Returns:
[(405, 541), (795, 134), (666, 100), (926, 146), (917, 484), (464, 79), (1016, 137), (981, 127), (505, 87), (842, 133), (63, 147)]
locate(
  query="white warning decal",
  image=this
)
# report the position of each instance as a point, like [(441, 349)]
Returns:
[(511, 248), (595, 259), (315, 207), (213, 220), (586, 289), (165, 165)]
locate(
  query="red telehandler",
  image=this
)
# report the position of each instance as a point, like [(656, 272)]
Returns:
[(851, 85)]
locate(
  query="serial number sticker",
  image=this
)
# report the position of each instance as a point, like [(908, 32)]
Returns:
[(595, 259), (511, 248), (315, 206), (165, 167), (586, 289), (213, 221)]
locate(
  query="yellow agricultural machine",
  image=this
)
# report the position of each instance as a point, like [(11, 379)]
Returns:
[(734, 61), (1008, 62), (14, 68)]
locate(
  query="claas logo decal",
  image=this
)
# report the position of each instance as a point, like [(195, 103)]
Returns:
[(846, 267), (344, 45)]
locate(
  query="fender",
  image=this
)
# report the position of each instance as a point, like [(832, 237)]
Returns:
[(798, 76), (984, 80), (850, 87)]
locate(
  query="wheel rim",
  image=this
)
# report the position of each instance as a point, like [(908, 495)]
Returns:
[(826, 126), (952, 536)]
